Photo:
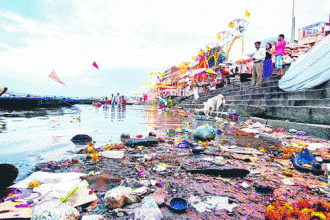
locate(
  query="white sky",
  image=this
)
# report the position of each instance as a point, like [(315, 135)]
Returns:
[(123, 36)]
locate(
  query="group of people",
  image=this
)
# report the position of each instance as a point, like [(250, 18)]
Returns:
[(263, 65), (118, 100)]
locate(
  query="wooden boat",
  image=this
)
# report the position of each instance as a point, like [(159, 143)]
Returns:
[(28, 103)]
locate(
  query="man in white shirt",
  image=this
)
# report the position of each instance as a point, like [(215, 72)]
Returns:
[(258, 58), (118, 100)]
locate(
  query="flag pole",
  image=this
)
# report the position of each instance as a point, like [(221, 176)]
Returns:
[(293, 23)]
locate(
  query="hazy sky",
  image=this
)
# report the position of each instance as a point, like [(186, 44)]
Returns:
[(127, 39)]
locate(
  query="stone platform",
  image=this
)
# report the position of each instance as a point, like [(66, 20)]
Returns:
[(307, 110)]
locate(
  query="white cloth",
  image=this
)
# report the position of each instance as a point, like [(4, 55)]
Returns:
[(260, 54), (196, 91)]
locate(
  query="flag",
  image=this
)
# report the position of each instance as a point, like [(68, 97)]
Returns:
[(208, 48), (218, 36), (54, 76), (247, 14), (152, 73), (94, 64), (193, 58), (231, 24)]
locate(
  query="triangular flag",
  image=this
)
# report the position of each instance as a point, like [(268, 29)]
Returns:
[(53, 76), (193, 58), (208, 48), (247, 14), (94, 64), (218, 36), (152, 73)]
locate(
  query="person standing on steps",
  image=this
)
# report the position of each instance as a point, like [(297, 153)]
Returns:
[(268, 63), (279, 53), (196, 90), (258, 58)]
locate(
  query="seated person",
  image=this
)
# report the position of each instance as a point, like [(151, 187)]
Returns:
[(8, 174)]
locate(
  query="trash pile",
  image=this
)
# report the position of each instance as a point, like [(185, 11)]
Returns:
[(222, 170)]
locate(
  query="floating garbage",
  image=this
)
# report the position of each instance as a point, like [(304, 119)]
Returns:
[(81, 139), (263, 189), (112, 154), (55, 210), (222, 172), (205, 132), (141, 142), (178, 205), (306, 162), (120, 196), (149, 210), (301, 133)]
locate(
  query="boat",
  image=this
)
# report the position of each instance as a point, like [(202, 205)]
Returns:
[(28, 103)]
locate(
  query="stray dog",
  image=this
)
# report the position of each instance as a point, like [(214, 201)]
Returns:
[(213, 104)]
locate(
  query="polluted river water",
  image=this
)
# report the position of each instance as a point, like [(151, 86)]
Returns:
[(28, 138), (31, 137)]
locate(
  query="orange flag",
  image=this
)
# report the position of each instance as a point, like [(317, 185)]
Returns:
[(54, 76)]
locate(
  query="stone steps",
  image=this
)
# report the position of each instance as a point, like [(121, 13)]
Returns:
[(283, 102), (315, 130), (307, 110), (303, 114)]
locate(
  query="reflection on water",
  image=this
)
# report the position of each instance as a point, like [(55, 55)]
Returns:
[(27, 138)]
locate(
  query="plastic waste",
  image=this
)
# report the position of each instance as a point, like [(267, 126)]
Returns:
[(113, 154), (263, 189), (148, 211), (301, 133), (55, 210), (119, 196), (219, 160), (245, 185), (92, 217), (205, 132), (287, 182), (81, 139), (141, 142), (222, 172)]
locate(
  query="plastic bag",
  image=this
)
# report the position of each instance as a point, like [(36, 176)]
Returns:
[(149, 210), (205, 132), (55, 211)]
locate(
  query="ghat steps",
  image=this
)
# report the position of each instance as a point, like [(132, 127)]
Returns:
[(308, 109)]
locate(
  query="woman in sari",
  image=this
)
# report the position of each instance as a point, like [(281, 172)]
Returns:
[(268, 65)]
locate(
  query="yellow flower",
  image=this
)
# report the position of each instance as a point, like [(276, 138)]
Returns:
[(34, 184), (94, 155), (90, 148), (306, 211), (320, 215), (270, 207)]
